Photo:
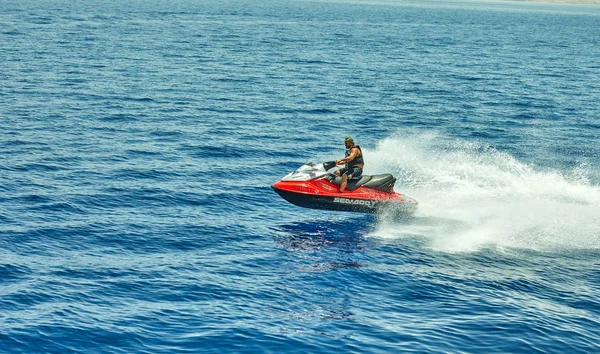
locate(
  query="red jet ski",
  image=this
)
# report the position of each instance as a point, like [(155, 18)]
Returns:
[(315, 186)]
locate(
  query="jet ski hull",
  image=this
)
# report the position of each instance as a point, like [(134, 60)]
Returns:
[(361, 200), (327, 202)]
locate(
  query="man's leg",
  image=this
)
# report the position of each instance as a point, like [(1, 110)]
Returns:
[(344, 182)]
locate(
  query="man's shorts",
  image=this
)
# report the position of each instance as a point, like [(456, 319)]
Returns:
[(352, 172)]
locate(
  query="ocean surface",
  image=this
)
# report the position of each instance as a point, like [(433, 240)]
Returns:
[(139, 140)]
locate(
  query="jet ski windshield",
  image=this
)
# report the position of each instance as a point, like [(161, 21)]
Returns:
[(306, 172)]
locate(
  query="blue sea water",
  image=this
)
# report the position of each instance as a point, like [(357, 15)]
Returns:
[(139, 140)]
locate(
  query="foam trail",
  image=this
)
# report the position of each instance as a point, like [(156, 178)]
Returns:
[(473, 196)]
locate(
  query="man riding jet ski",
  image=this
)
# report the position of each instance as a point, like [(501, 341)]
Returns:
[(354, 163), (314, 186)]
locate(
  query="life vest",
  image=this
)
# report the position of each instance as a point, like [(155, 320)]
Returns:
[(358, 160)]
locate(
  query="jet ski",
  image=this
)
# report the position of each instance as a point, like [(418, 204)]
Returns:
[(316, 186)]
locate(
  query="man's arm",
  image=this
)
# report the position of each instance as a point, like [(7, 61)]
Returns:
[(353, 153)]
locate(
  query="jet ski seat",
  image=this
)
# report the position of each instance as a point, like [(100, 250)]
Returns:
[(384, 182), (353, 183)]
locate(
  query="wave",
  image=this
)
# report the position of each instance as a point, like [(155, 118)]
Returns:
[(473, 196)]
